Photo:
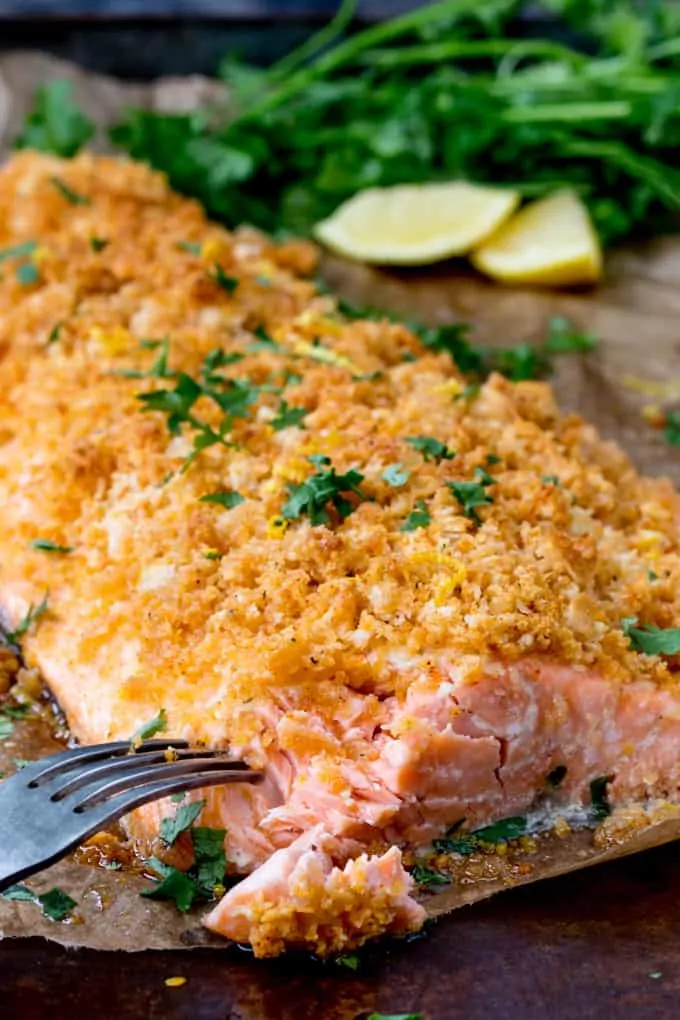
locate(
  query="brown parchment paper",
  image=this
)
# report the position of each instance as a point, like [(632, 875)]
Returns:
[(635, 313)]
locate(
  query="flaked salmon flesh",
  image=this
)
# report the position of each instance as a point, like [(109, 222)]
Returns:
[(397, 661)]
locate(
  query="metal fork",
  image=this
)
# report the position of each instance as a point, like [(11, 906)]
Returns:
[(54, 804)]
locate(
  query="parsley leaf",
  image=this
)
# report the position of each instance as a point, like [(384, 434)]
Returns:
[(18, 892), (27, 274), (34, 613), (325, 486), (396, 1016), (98, 244), (350, 961), (183, 819), (45, 545), (223, 280), (498, 832), (264, 342), (470, 495), (55, 124), (431, 449), (210, 858), (158, 724), (68, 193), (288, 417), (228, 498), (428, 876), (175, 885), (600, 807), (451, 339), (651, 640), (159, 369), (56, 904), (53, 334), (190, 247), (396, 475), (563, 338), (22, 250), (177, 403), (214, 360), (671, 429), (418, 518)]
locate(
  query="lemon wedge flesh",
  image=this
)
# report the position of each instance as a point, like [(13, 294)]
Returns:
[(551, 241), (414, 224)]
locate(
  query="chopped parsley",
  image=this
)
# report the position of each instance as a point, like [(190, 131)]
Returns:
[(563, 338), (499, 832), (68, 193), (158, 724), (158, 370), (98, 244), (53, 334), (16, 251), (431, 449), (201, 881), (45, 545), (27, 274), (55, 124), (671, 430), (227, 498), (55, 903), (190, 247), (214, 360), (350, 961), (471, 496), (428, 876), (325, 486), (183, 819), (418, 518), (551, 480), (492, 459), (34, 613), (651, 640), (264, 342), (288, 417), (599, 800), (396, 475), (223, 280), (466, 843), (396, 1016)]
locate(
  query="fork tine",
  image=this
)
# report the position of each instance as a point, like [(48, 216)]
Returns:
[(181, 775), (113, 768), (73, 759)]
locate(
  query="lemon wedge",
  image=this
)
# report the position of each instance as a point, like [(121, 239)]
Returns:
[(414, 224), (551, 241)]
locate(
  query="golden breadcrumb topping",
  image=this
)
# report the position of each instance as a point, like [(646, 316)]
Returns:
[(113, 287)]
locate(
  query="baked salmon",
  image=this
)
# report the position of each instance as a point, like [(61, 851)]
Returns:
[(304, 538)]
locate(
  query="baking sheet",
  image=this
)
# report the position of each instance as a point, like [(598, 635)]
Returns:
[(635, 314)]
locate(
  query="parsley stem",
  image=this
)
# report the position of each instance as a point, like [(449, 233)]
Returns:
[(310, 47), (348, 51), (434, 53)]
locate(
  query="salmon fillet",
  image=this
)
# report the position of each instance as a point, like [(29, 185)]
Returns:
[(403, 599)]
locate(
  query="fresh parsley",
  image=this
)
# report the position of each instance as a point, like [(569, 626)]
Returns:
[(158, 724), (671, 429), (45, 545), (16, 251), (55, 903), (55, 123), (431, 449), (98, 244), (223, 280), (288, 417), (396, 475), (227, 498), (159, 369), (54, 333), (6, 727), (651, 640), (500, 832), (32, 616), (27, 274), (190, 247), (418, 518), (202, 880), (68, 193), (350, 961), (471, 496), (425, 876), (599, 799), (466, 843), (264, 342), (396, 1016), (324, 487), (182, 820)]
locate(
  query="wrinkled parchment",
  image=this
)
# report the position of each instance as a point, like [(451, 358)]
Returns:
[(636, 315)]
